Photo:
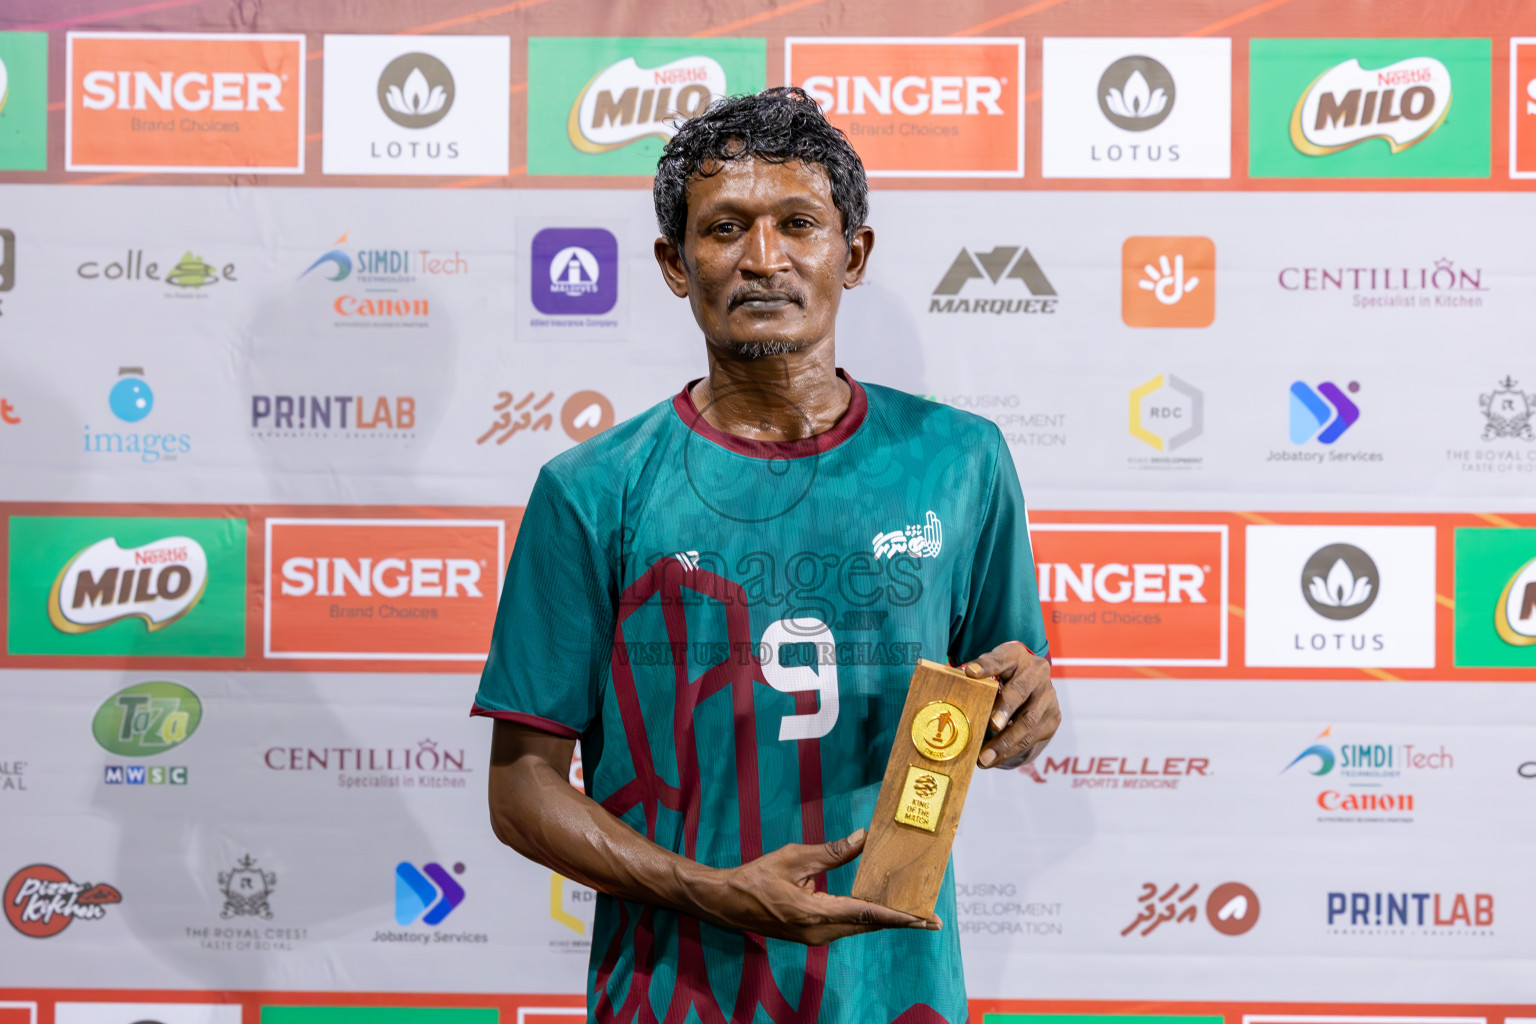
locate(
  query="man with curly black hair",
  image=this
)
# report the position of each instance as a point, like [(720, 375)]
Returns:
[(723, 599)]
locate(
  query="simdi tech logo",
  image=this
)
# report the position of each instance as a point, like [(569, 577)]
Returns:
[(416, 104), (23, 101), (1168, 282), (380, 285), (191, 103), (916, 107), (1367, 782), (146, 586), (607, 105), (1495, 598), (1369, 108)]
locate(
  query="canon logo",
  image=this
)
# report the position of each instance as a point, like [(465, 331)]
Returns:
[(388, 577), (190, 90), (910, 94), (1117, 582)]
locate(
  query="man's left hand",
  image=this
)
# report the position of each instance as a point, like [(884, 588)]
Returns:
[(1026, 713)]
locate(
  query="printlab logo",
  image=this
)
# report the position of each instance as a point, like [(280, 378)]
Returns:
[(1411, 913), (1231, 908), (416, 90), (189, 276), (41, 901), (1340, 581), (584, 414), (575, 272), (1507, 411), (427, 894), (333, 416), (1322, 414), (1000, 267), (1167, 412), (247, 890), (1136, 93), (1168, 282), (23, 101), (921, 540)]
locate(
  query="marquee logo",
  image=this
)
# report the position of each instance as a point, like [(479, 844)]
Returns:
[(184, 102), (386, 589), (1133, 594), (41, 901), (158, 582), (916, 107), (147, 719), (1000, 267)]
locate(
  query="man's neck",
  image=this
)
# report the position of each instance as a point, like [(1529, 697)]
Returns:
[(773, 398)]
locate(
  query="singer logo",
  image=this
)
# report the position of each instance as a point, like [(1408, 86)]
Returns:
[(920, 108), (1133, 595), (189, 103), (382, 589)]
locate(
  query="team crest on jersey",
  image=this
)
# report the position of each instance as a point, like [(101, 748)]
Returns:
[(922, 540)]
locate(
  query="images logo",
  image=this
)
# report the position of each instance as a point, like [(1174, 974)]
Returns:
[(1168, 282), (575, 271), (144, 587), (131, 399), (1496, 598), (1339, 581), (1369, 108), (1003, 264), (429, 893), (41, 901), (1167, 412), (1136, 93), (1508, 411), (1133, 595), (23, 101), (1323, 414), (919, 108), (147, 719), (185, 102), (607, 105)]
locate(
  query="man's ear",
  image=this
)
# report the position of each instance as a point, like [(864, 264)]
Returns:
[(858, 256), (673, 269)]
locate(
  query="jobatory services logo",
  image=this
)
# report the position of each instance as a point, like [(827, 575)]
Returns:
[(23, 101), (172, 102), (376, 286), (416, 104), (382, 589), (1231, 908), (1522, 107), (148, 587), (575, 277), (1133, 594), (1369, 108), (186, 277), (427, 764), (607, 105), (1136, 108), (1320, 414), (917, 107), (41, 901), (1437, 284), (1010, 282), (131, 400), (1430, 914), (426, 895), (1168, 282), (1340, 596), (582, 415), (1167, 412), (144, 720), (1495, 598)]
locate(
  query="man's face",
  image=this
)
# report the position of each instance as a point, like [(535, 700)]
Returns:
[(763, 261)]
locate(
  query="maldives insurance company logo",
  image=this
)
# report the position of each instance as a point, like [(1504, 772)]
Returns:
[(1495, 598), (173, 102), (1168, 282), (917, 107), (1369, 108), (23, 101), (416, 104), (126, 586), (575, 273), (607, 105), (41, 901), (1133, 594)]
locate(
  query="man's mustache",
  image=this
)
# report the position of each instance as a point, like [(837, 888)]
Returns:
[(746, 293)]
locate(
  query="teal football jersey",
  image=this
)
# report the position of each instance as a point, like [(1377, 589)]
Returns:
[(730, 626)]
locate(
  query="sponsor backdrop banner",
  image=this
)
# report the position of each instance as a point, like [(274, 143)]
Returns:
[(295, 300)]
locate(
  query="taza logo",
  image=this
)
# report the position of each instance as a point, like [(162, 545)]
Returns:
[(416, 90), (1340, 581), (1136, 93), (41, 901), (146, 719)]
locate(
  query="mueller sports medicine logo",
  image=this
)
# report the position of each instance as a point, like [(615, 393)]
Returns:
[(624, 102), (185, 102), (1118, 772), (914, 107), (41, 901), (1401, 103), (157, 582), (382, 589), (1133, 594), (1017, 284)]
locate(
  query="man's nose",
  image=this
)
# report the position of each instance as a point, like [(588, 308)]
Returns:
[(765, 254)]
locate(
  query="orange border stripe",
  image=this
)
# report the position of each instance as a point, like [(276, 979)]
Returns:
[(122, 12), (465, 19), (756, 19), (1003, 19), (1252, 12)]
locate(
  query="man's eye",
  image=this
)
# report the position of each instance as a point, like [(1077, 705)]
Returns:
[(724, 229), (800, 223)]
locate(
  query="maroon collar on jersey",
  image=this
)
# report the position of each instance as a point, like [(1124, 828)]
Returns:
[(842, 430)]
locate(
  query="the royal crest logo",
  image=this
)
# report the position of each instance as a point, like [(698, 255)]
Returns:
[(247, 890), (1402, 103), (41, 901), (1508, 411), (625, 102), (158, 582)]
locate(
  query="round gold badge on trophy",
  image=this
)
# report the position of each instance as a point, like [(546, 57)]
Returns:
[(940, 731)]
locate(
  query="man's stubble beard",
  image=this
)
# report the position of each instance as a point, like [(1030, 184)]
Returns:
[(763, 349)]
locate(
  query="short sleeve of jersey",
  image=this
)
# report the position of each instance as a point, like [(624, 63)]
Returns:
[(1002, 601), (554, 626)]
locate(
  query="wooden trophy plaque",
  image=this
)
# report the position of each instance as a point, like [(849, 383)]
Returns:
[(940, 736)]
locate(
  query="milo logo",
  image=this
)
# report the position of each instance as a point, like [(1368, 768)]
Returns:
[(158, 582), (1347, 104), (147, 718), (625, 102)]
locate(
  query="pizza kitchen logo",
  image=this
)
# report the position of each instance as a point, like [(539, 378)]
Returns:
[(41, 901)]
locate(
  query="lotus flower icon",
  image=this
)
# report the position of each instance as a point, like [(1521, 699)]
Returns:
[(1136, 99), (1136, 93), (417, 98), (1340, 581), (416, 90), (1342, 588)]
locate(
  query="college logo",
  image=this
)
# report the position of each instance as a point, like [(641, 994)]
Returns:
[(1507, 411), (416, 104), (1369, 108), (184, 102), (41, 901), (575, 271), (1000, 267), (1167, 412), (1406, 913), (147, 719), (1340, 596), (607, 105), (919, 108), (23, 101), (1321, 414), (1168, 282), (1232, 908), (1133, 594), (427, 894), (189, 275), (144, 587), (1496, 598), (386, 589)]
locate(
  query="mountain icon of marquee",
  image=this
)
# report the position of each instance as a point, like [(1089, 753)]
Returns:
[(427, 893)]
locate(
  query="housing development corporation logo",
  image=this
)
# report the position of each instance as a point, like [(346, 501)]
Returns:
[(606, 105), (41, 901), (1018, 285), (1168, 282), (1495, 598), (416, 104), (1369, 108), (916, 107), (23, 101), (1371, 781), (185, 102)]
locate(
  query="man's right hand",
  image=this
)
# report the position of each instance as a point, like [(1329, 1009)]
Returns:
[(775, 896)]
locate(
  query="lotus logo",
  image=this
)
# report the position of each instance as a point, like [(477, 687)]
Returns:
[(416, 90), (1402, 103), (1136, 93), (1340, 581), (158, 582)]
